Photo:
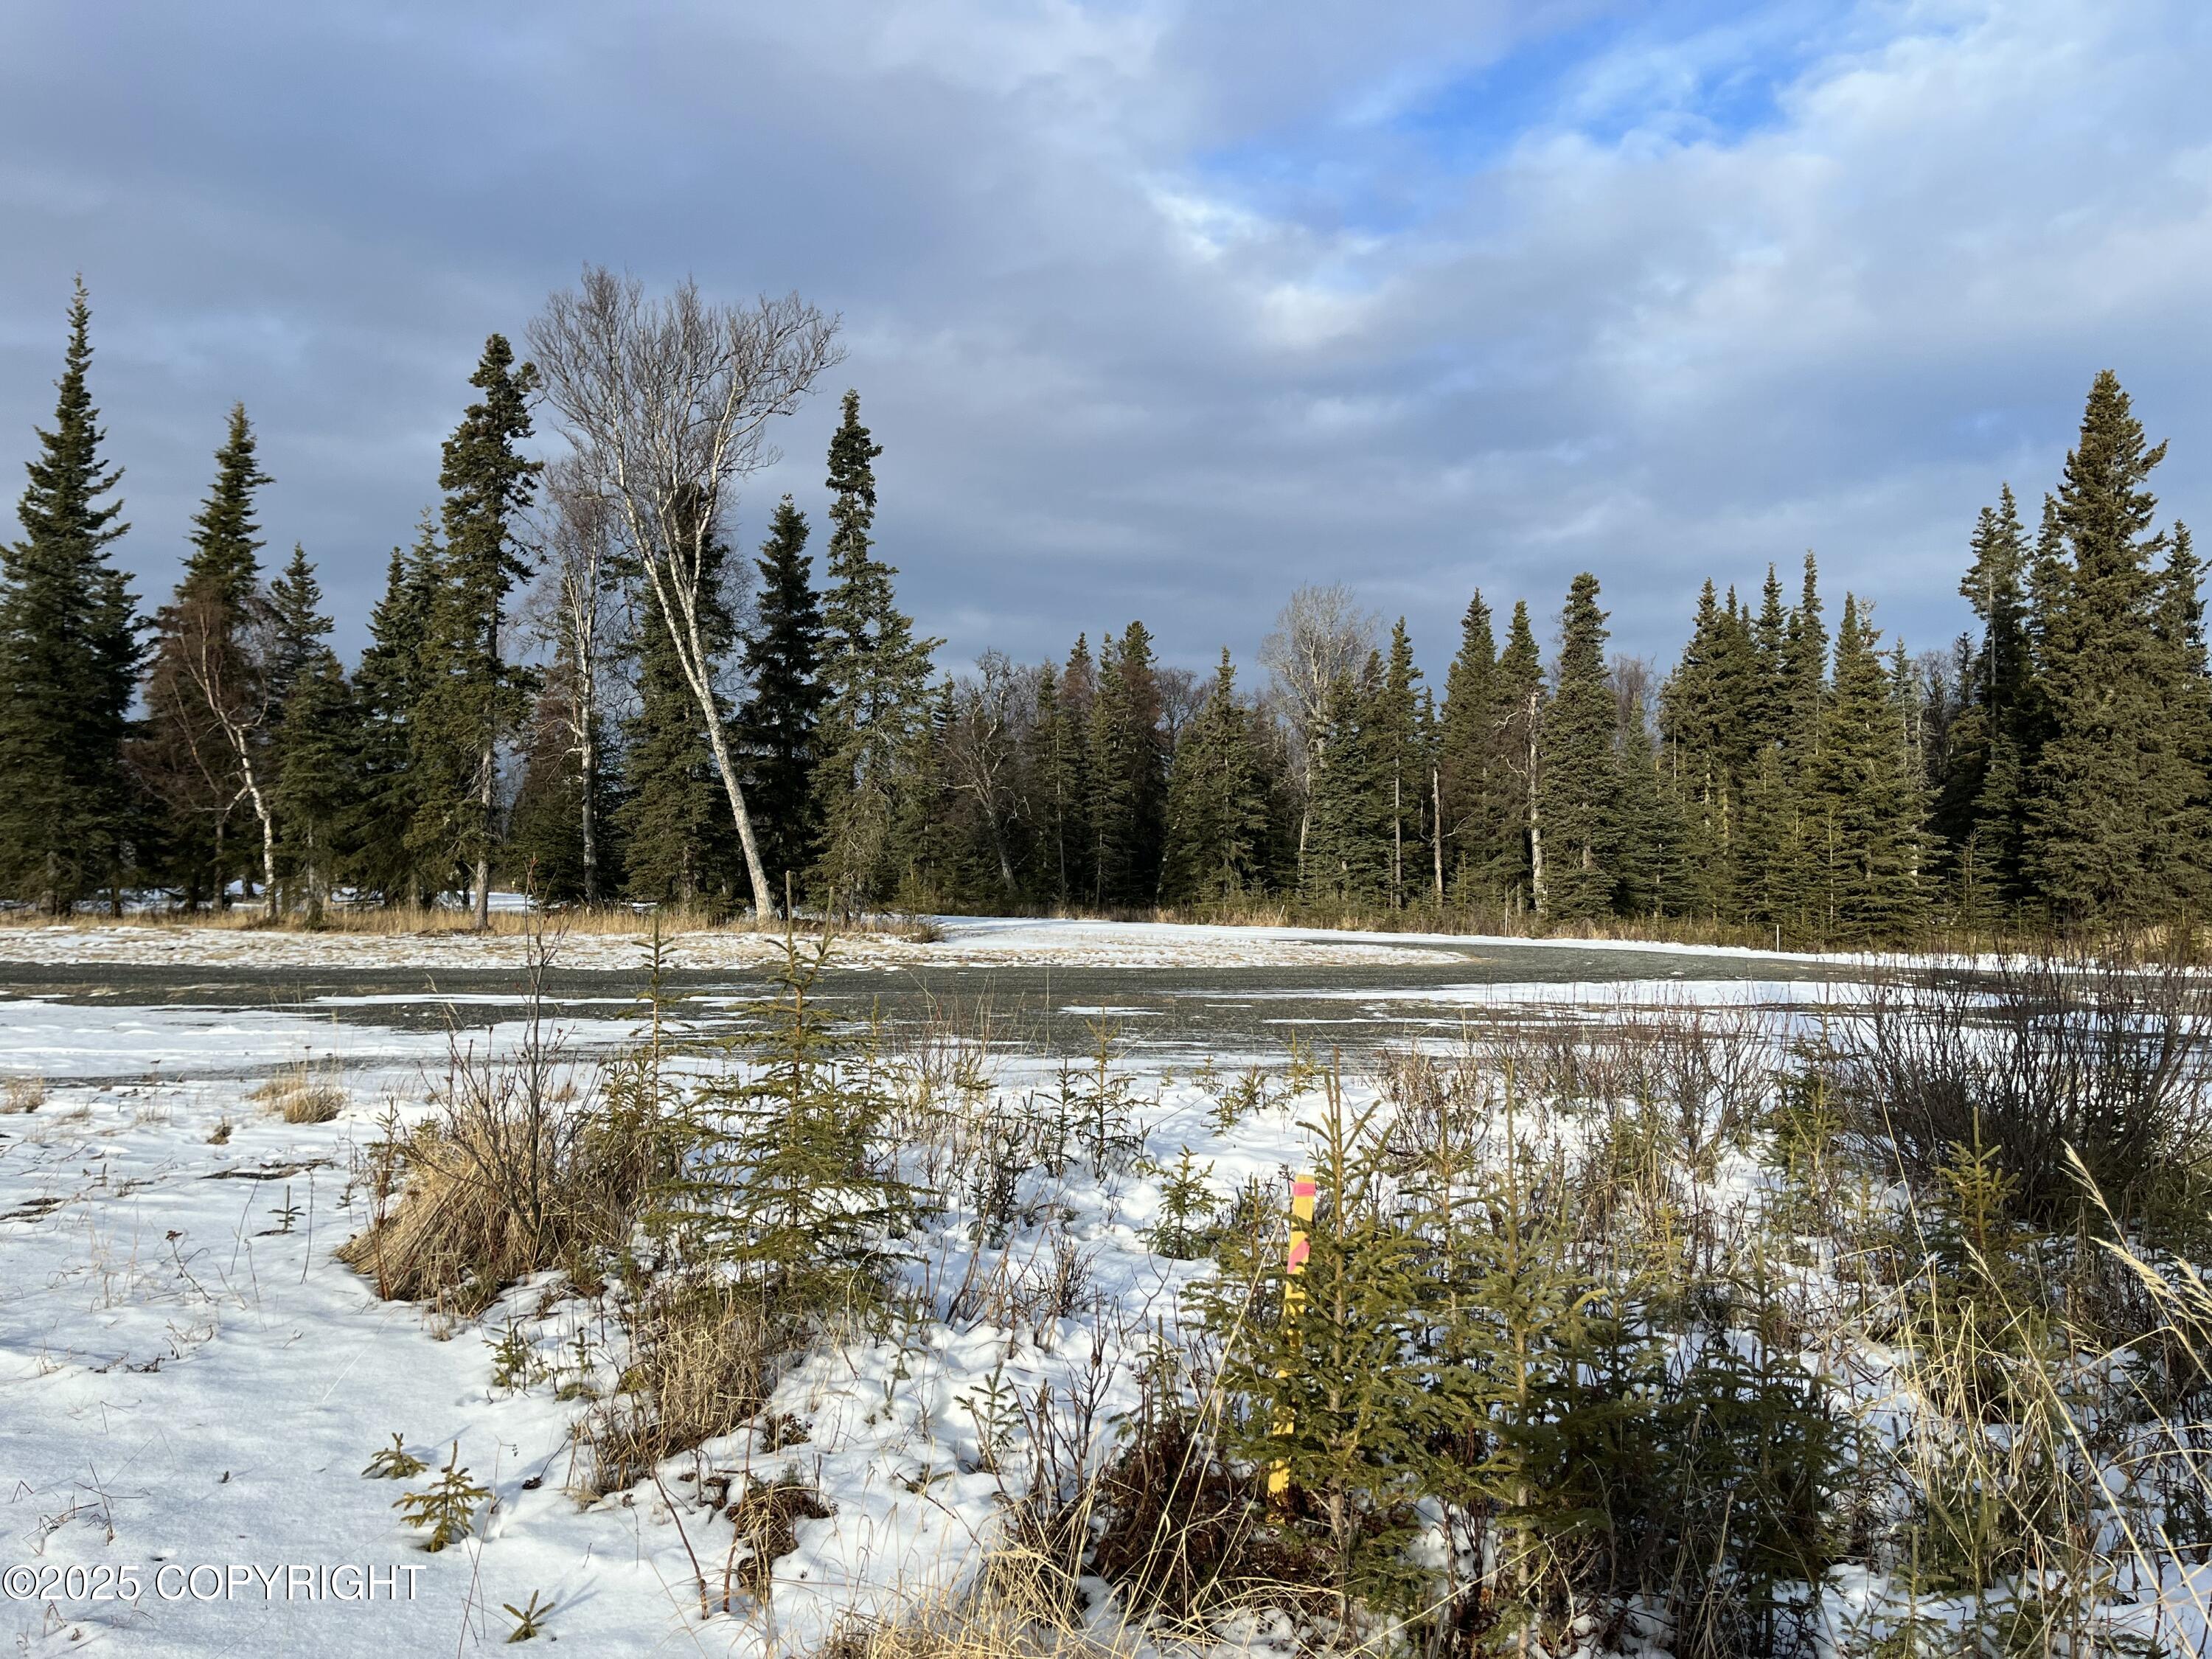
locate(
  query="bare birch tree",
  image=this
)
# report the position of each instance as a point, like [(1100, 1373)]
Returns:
[(982, 746), (216, 702), (667, 404), (1321, 636), (580, 542)]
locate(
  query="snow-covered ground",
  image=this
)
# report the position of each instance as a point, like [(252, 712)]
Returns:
[(191, 1386), (967, 941)]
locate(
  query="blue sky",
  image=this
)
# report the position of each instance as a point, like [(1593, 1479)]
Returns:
[(1162, 308)]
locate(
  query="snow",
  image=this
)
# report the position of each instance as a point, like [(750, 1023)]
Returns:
[(967, 941), (188, 1378)]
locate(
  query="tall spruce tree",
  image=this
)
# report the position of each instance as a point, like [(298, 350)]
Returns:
[(212, 702), (875, 676), (319, 744), (1515, 867), (776, 724), (1126, 763), (1402, 760), (1464, 748), (1581, 782), (299, 632), (388, 688), (473, 695), (1216, 803), (1867, 804), (1348, 830), (1982, 813), (1692, 725), (2111, 833), (69, 660)]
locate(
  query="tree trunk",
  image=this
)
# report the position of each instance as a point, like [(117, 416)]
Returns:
[(484, 764), (1397, 843), (1436, 827), (588, 812), (691, 657), (1535, 821)]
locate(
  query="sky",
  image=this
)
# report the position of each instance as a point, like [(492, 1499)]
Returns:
[(1162, 307)]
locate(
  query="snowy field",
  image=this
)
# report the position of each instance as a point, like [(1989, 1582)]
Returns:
[(968, 941), (191, 1386)]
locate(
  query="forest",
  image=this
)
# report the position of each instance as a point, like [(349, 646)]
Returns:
[(576, 685)]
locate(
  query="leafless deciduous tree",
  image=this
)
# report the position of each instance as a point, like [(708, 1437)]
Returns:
[(580, 565), (668, 403), (1321, 637), (982, 746), (219, 703)]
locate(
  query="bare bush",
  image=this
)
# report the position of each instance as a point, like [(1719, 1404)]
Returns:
[(2048, 1052)]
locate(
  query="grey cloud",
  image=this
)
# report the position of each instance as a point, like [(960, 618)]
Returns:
[(1114, 380)]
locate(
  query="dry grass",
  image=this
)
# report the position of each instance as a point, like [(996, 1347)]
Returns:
[(700, 1362), (21, 1094), (616, 920), (299, 1095)]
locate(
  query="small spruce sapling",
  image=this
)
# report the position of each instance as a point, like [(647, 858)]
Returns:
[(529, 1620), (1186, 1229), (448, 1509), (394, 1462), (782, 1177)]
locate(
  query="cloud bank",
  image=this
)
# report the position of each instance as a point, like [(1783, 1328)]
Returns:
[(1162, 308)]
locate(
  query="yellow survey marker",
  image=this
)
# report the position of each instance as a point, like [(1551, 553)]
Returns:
[(1294, 1298)]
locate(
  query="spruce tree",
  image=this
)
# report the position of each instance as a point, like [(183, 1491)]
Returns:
[(1464, 747), (1047, 764), (1514, 869), (875, 676), (1403, 762), (1348, 843), (2113, 833), (1581, 779), (69, 658), (782, 661), (1803, 674), (211, 700), (1650, 867), (545, 827), (1216, 806), (473, 695), (298, 630), (1982, 815), (1126, 762), (1692, 723), (1867, 804), (389, 688), (318, 747)]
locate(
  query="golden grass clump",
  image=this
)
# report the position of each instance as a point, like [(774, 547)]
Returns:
[(298, 1096), (21, 1094), (701, 1355), (1020, 1605)]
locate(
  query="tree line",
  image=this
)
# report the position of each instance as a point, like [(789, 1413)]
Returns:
[(575, 684)]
